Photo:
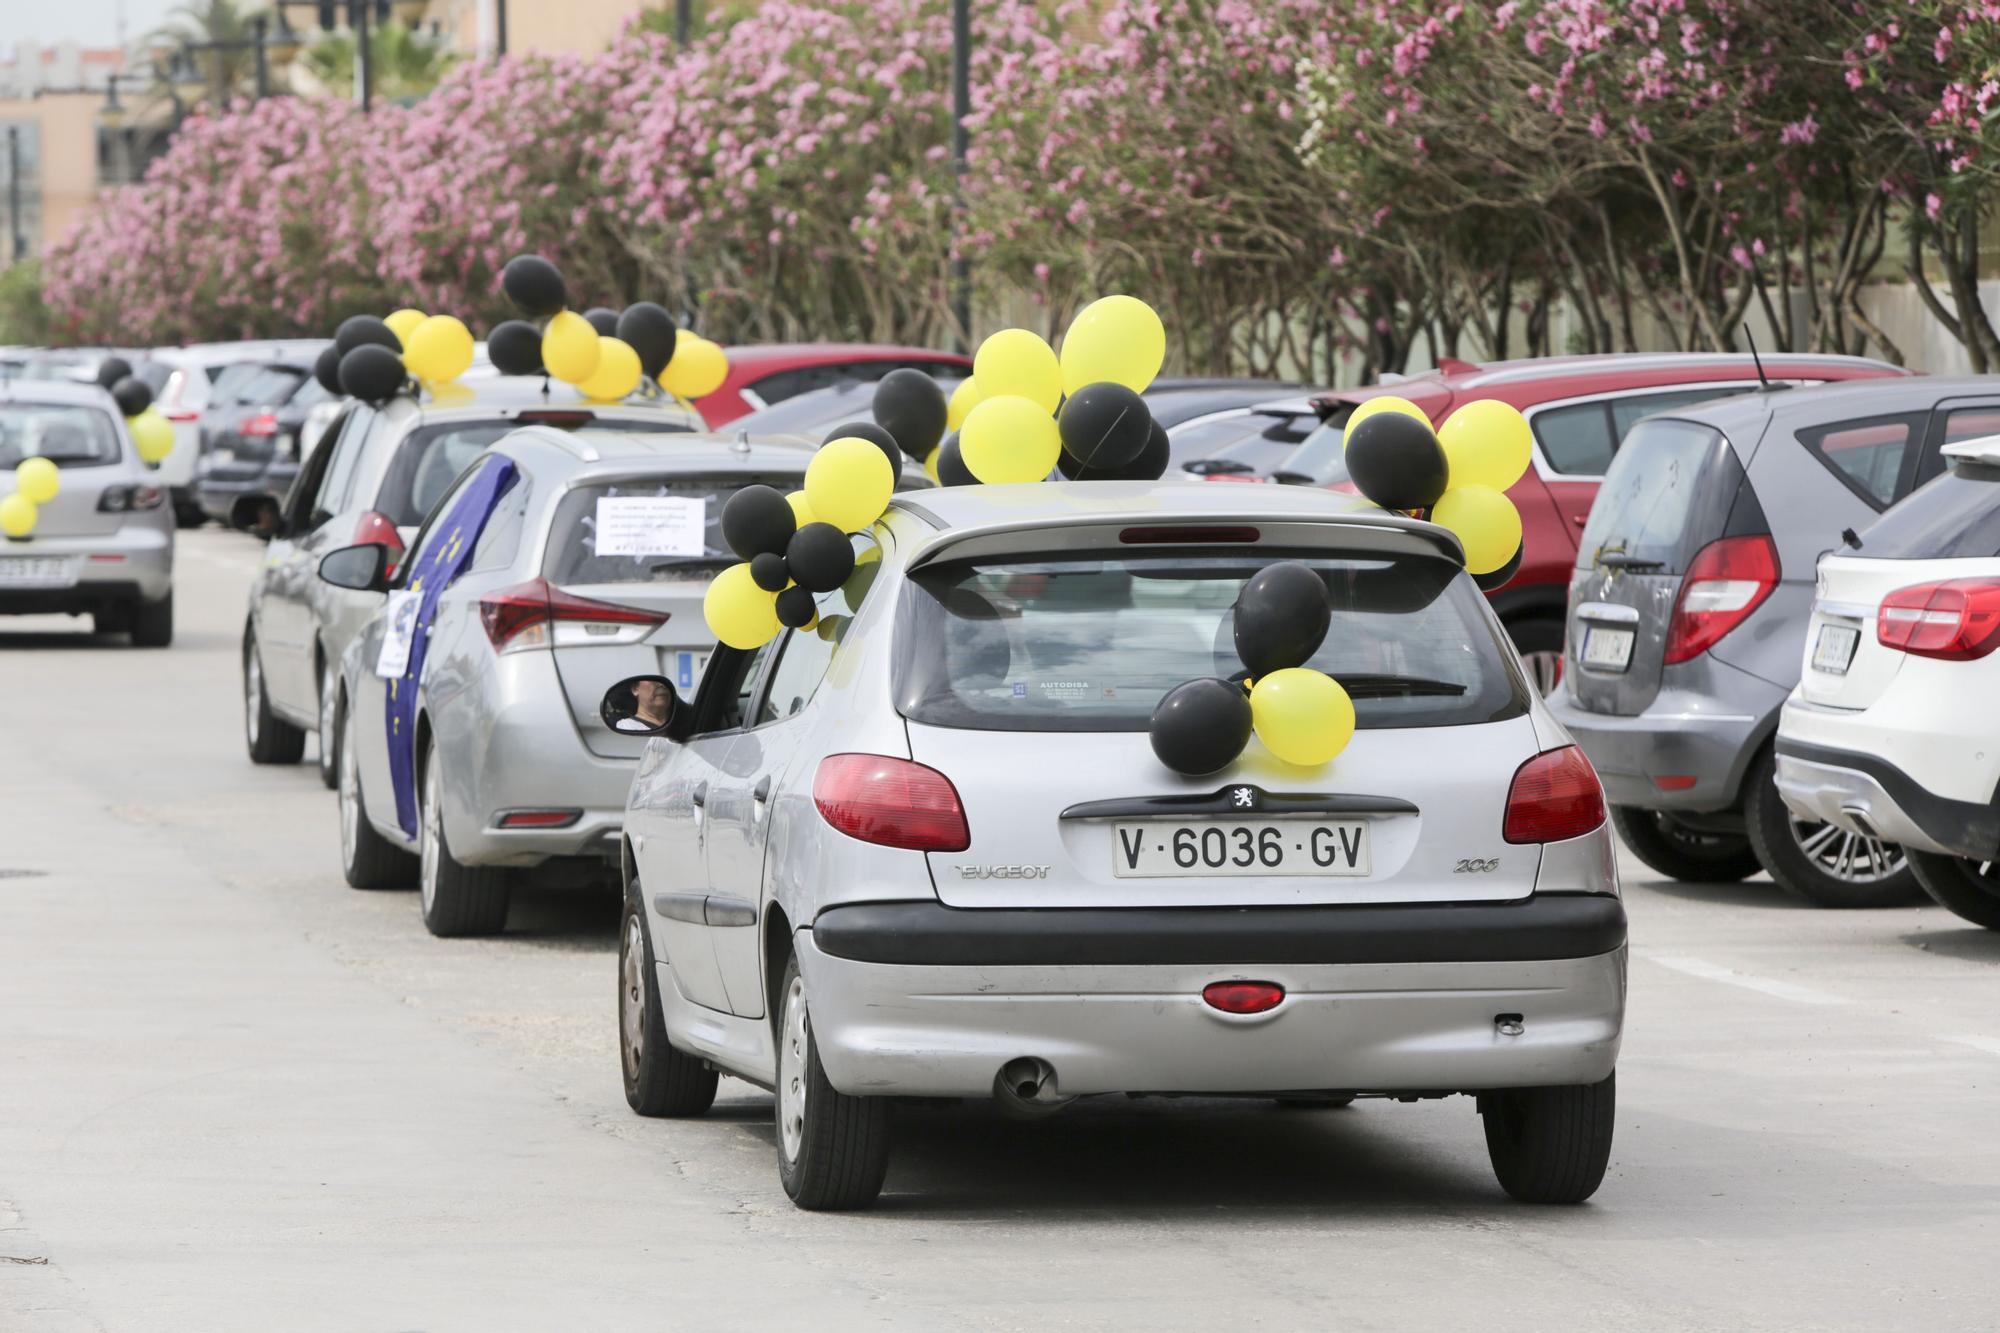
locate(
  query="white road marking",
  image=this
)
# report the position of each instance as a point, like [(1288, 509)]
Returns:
[(1783, 990), (1991, 1045)]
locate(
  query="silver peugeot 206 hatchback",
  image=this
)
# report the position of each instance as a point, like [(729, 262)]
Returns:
[(923, 848)]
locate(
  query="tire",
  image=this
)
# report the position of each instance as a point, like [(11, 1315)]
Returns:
[(1665, 844), (457, 899), (833, 1149), (1819, 862), (659, 1080), (188, 514), (367, 859), (152, 623), (1961, 885), (1550, 1145), (269, 738), (329, 724), (1539, 641), (112, 620)]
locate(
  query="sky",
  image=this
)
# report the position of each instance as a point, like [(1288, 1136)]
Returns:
[(90, 22)]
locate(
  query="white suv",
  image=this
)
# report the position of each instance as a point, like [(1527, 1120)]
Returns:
[(1891, 733)]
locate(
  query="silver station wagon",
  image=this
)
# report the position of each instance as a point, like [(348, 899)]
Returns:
[(923, 847)]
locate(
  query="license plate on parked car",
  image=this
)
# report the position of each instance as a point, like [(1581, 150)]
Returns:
[(37, 571), (1833, 650), (1607, 649), (1164, 848)]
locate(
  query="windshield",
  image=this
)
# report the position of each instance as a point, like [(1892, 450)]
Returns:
[(67, 434), (1951, 517), (665, 528), (430, 457), (1092, 645), (813, 414)]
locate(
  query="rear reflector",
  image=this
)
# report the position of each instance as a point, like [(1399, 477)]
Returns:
[(1675, 782), (1243, 997), (1957, 620), (1725, 582), (522, 616), (1555, 796), (890, 802), (538, 818), (1172, 536)]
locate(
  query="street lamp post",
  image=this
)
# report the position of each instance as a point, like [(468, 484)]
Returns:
[(500, 27), (961, 108), (364, 64), (683, 21), (258, 25), (19, 237)]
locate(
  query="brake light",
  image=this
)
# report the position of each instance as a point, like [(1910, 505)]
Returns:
[(183, 416), (1957, 620), (1554, 797), (376, 528), (1243, 997), (562, 420), (259, 426), (1727, 580), (1169, 536), (537, 613), (890, 802)]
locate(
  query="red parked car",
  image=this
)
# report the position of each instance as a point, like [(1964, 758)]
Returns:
[(771, 372), (1580, 408)]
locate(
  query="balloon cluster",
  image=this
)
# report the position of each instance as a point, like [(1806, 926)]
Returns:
[(373, 359), (1456, 477), (793, 547), (1302, 716), (604, 353), (38, 481)]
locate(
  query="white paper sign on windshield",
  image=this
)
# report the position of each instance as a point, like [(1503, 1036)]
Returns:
[(651, 525)]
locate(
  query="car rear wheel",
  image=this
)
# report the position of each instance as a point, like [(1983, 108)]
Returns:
[(457, 899), (367, 859), (1539, 640), (1959, 884), (1823, 863), (1665, 844), (833, 1149), (1550, 1145), (659, 1080), (153, 623), (269, 738), (329, 724)]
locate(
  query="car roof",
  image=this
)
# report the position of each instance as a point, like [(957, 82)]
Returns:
[(480, 394), (769, 356), (1174, 402), (63, 392), (1832, 401), (587, 453), (952, 507), (209, 354)]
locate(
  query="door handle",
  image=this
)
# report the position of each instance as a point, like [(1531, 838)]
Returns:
[(700, 794), (762, 791)]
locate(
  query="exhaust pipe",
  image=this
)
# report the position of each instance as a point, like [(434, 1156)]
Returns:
[(1027, 1086)]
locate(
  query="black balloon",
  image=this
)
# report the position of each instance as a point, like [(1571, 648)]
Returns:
[(133, 396), (326, 369), (951, 468), (535, 287), (1396, 461), (372, 373), (758, 520), (651, 332), (796, 608), (1282, 615), (1150, 465), (515, 348), (112, 369), (1200, 726), (820, 557), (875, 435), (1105, 426), (366, 331), (1501, 577), (604, 319), (912, 408), (769, 571)]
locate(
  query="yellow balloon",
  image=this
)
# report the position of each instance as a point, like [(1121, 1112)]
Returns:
[(963, 399), (849, 482), (617, 373), (698, 368), (738, 612), (801, 508), (403, 322), (1009, 438), (152, 435), (38, 479), (1486, 523), (1387, 402), (1303, 716), (1015, 361), (931, 462), (437, 350), (17, 515), (1117, 338), (569, 347), (1487, 443)]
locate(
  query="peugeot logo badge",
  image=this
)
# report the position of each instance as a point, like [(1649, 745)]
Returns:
[(1243, 797)]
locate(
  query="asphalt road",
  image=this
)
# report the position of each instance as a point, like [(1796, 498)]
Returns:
[(236, 1094)]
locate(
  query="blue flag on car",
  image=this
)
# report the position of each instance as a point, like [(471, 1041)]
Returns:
[(440, 563)]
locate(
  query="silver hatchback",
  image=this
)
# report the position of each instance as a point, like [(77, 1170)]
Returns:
[(923, 848)]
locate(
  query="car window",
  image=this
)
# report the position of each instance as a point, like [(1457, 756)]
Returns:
[(229, 381), (735, 676), (783, 384), (1258, 441), (1576, 439), (305, 504), (500, 540), (356, 427), (269, 387), (573, 556), (806, 654), (1955, 516), (67, 434), (1627, 411), (1971, 423), (1868, 454)]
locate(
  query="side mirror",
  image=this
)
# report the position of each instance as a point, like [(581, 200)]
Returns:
[(363, 568), (257, 514), (640, 706)]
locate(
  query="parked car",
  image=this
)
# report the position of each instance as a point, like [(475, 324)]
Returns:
[(1690, 601), (760, 375), (1579, 408), (182, 379), (1890, 732), (471, 744), (258, 452), (374, 481), (810, 415), (1244, 443), (924, 849), (105, 544)]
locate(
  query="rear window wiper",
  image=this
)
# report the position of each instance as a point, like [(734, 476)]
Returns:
[(1619, 560), (1373, 686)]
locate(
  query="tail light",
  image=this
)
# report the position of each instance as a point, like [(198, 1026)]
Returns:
[(258, 427), (183, 417), (1243, 997), (890, 802), (536, 614), (1957, 620), (1554, 797), (1727, 580), (376, 528), (126, 499)]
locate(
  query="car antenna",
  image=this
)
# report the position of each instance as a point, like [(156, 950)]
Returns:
[(1758, 361)]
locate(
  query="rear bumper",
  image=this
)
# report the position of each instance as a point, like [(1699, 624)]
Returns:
[(133, 564), (531, 759), (1864, 793), (1680, 735), (1378, 999)]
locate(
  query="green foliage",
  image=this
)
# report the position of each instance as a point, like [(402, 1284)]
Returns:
[(24, 319)]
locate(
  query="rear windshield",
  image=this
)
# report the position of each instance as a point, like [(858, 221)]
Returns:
[(67, 434), (430, 458), (678, 535), (1091, 645), (1667, 493), (1953, 516)]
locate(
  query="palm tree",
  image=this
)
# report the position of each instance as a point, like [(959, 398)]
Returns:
[(406, 65), (218, 74)]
